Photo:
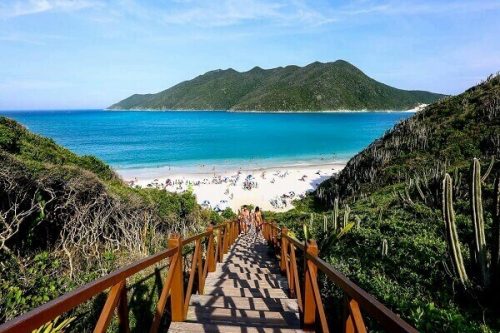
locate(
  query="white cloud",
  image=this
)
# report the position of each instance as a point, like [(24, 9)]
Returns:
[(234, 12), (417, 8), (35, 39), (31, 84), (15, 8)]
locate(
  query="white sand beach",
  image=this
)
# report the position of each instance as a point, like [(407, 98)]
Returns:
[(271, 188)]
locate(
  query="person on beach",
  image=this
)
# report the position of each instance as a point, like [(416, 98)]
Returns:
[(258, 219)]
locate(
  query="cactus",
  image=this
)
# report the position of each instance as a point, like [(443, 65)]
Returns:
[(385, 247), (347, 211), (358, 221), (478, 220), (307, 234), (405, 198), (489, 270), (495, 256), (451, 230), (490, 167), (419, 190), (325, 223), (335, 213)]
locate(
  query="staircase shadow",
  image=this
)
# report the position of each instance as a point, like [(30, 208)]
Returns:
[(254, 276)]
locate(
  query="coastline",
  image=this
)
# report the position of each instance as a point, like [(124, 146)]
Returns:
[(269, 187), (416, 109)]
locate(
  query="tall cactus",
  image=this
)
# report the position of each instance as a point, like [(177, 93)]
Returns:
[(307, 233), (335, 213), (385, 247), (490, 167), (347, 211), (451, 230), (478, 220), (419, 190), (325, 223), (495, 256)]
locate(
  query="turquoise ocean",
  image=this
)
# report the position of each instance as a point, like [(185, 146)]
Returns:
[(159, 139)]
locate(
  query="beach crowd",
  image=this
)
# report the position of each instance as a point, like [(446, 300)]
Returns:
[(273, 188)]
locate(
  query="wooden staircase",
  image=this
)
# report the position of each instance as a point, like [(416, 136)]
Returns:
[(246, 293), (243, 292)]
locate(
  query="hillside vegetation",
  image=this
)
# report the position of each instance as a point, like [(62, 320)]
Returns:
[(318, 86), (67, 219), (391, 195)]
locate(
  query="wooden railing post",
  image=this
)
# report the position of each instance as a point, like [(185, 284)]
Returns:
[(235, 231), (354, 322), (284, 252), (113, 299), (123, 318), (274, 232), (268, 233), (226, 238), (231, 229), (309, 305), (177, 291), (210, 251), (220, 245), (275, 238)]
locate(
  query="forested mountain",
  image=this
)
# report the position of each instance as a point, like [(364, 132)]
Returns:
[(318, 86)]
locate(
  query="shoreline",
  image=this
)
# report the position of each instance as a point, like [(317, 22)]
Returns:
[(413, 110), (269, 187)]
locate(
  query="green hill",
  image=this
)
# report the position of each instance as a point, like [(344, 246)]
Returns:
[(391, 196), (318, 86), (443, 136)]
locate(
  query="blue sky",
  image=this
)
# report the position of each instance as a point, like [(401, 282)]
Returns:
[(90, 54)]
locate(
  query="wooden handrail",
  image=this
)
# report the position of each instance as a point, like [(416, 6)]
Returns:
[(117, 296), (386, 318), (195, 238), (298, 244), (307, 291)]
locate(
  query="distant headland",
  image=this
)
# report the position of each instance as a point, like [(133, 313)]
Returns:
[(316, 87)]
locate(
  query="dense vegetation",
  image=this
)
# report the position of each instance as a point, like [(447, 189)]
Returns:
[(68, 219), (318, 86), (392, 192)]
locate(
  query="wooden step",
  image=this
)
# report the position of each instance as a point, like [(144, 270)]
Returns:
[(245, 292), (245, 303), (249, 264), (240, 283), (241, 269), (190, 327), (246, 276), (243, 317)]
